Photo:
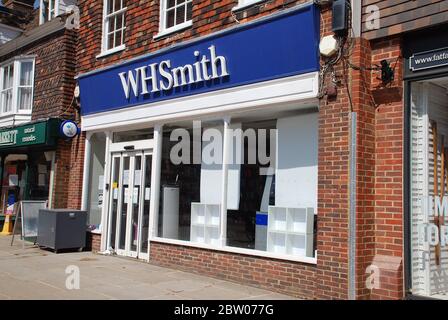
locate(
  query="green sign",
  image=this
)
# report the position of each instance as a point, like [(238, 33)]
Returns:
[(26, 135)]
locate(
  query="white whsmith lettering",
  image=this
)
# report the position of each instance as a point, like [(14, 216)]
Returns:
[(161, 76)]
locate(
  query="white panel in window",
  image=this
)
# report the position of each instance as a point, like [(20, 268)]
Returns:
[(211, 174), (297, 159)]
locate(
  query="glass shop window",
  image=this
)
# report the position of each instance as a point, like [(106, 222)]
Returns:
[(96, 184), (133, 135), (271, 185), (13, 181), (428, 190), (272, 196), (191, 177), (39, 176)]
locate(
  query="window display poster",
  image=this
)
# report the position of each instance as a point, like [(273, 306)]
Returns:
[(126, 195), (100, 199), (137, 177), (100, 182), (135, 195), (126, 177), (147, 193), (10, 204), (41, 179), (13, 180), (11, 169), (42, 168)]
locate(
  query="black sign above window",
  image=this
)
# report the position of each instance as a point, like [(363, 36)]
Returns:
[(429, 59)]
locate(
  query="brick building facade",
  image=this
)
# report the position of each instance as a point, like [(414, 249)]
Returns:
[(362, 174), (329, 276), (49, 49)]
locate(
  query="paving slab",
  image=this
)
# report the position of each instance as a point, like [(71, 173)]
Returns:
[(33, 273)]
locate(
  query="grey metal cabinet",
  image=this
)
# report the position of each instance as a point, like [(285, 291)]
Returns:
[(62, 229)]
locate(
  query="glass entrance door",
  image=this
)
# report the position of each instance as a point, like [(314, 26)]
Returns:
[(129, 200)]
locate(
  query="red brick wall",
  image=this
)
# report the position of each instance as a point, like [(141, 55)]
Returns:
[(333, 181), (76, 172), (291, 278), (55, 69), (93, 242), (379, 189), (365, 154), (389, 128), (54, 83), (142, 24)]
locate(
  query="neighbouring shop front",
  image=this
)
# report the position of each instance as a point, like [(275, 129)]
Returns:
[(426, 83), (159, 128), (27, 162)]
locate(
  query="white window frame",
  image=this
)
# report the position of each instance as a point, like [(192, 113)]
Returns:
[(243, 4), (105, 26), (2, 106), (163, 30), (53, 6), (16, 84), (19, 70)]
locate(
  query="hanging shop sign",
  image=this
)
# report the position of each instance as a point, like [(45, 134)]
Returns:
[(69, 129), (39, 133), (429, 59), (279, 46)]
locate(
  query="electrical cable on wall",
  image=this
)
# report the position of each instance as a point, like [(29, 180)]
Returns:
[(344, 36)]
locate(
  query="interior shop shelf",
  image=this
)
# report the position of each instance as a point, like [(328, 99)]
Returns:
[(290, 231), (205, 223)]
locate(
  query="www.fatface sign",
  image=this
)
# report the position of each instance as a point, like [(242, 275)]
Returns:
[(165, 76), (429, 59)]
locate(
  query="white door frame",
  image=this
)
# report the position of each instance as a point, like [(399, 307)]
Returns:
[(143, 148)]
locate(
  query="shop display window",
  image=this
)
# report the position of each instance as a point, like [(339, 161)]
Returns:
[(190, 194), (26, 177), (96, 192), (428, 191), (271, 185)]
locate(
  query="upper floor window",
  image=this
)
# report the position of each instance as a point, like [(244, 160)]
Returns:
[(7, 87), (114, 25), (175, 14), (48, 10), (246, 3), (16, 86)]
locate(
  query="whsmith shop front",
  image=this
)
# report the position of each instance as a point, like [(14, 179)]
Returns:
[(27, 162), (159, 126)]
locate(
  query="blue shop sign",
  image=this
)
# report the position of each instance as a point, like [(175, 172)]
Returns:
[(279, 46)]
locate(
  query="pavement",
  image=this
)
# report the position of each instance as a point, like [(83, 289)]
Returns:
[(31, 273)]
